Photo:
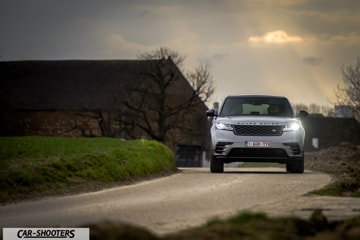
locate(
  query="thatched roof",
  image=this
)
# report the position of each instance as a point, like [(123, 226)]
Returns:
[(68, 84)]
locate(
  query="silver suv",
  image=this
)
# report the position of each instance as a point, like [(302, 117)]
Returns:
[(257, 128)]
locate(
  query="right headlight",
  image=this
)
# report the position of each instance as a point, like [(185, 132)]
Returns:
[(222, 126)]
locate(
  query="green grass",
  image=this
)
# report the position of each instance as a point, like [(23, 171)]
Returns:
[(43, 164)]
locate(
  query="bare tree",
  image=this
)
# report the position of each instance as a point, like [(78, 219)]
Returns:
[(300, 106), (163, 53), (161, 103), (313, 108), (349, 93), (202, 82)]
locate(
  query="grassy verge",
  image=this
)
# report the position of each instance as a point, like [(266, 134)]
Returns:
[(344, 185), (32, 167), (343, 163)]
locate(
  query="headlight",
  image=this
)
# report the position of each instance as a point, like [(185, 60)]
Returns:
[(294, 126), (222, 126)]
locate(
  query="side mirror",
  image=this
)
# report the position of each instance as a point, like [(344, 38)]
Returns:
[(303, 114), (211, 113)]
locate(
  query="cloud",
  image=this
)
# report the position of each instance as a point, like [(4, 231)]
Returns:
[(275, 37), (143, 13), (117, 45), (312, 61), (352, 38), (217, 57), (344, 39)]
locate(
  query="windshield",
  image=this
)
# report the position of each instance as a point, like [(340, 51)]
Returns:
[(262, 106)]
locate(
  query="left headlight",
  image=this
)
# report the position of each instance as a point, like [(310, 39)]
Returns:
[(293, 126)]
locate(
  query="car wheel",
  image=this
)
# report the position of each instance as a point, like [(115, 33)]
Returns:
[(295, 165), (216, 166)]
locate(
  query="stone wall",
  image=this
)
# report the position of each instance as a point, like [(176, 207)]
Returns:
[(49, 123)]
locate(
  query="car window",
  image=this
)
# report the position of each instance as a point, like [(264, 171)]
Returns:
[(262, 106)]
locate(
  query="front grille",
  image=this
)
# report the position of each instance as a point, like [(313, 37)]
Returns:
[(257, 153), (256, 130)]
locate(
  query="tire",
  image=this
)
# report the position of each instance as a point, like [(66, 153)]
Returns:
[(288, 167), (295, 165), (216, 166)]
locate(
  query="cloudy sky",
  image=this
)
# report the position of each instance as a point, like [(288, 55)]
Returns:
[(284, 47)]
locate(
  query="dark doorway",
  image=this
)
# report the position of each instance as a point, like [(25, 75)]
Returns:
[(188, 156)]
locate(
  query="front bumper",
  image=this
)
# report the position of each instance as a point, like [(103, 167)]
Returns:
[(232, 148)]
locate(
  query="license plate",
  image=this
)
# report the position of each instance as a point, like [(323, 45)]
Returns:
[(257, 144)]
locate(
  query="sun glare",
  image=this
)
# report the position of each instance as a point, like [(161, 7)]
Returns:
[(275, 37)]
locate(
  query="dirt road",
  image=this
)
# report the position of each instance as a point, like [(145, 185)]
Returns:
[(187, 199)]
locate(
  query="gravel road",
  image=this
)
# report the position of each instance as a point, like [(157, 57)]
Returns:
[(183, 200)]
